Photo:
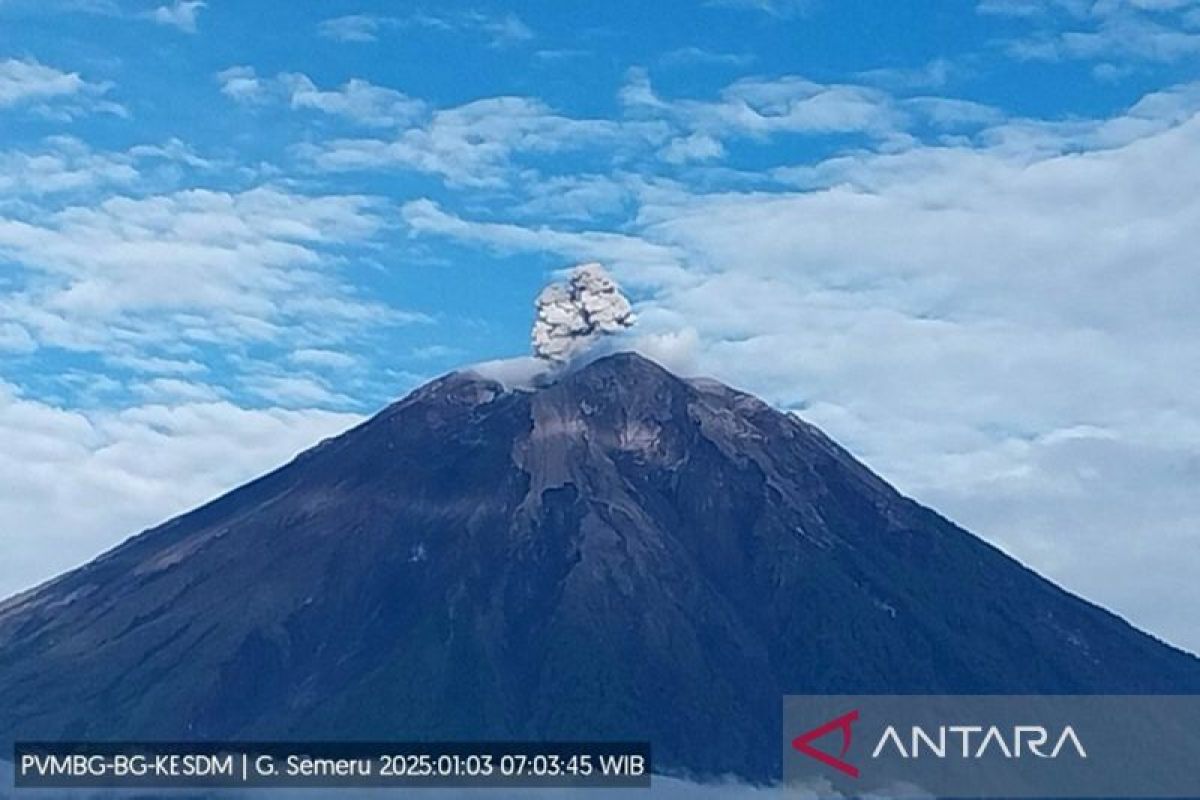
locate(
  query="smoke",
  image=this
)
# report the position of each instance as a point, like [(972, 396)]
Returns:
[(524, 373), (572, 315)]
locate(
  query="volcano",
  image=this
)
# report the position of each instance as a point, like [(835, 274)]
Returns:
[(618, 554)]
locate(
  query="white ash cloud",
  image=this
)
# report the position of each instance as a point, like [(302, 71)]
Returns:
[(574, 314), (524, 373)]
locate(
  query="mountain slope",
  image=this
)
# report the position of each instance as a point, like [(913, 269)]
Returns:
[(621, 554)]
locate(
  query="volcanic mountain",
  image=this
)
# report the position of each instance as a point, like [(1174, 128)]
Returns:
[(619, 554)]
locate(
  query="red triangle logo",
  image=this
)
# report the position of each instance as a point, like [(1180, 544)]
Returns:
[(804, 741)]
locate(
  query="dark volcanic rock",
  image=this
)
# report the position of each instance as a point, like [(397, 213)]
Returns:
[(622, 554)]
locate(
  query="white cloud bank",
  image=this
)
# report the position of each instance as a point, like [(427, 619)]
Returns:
[(78, 482), (189, 268)]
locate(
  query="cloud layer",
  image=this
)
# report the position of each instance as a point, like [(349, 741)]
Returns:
[(77, 478)]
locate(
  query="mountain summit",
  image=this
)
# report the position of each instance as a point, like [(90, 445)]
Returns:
[(620, 554)]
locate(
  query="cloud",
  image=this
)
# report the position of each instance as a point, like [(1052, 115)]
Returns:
[(191, 267), (1077, 8), (295, 391), (356, 100), (474, 144), (1123, 30), (242, 84), (780, 9), (22, 80), (177, 390), (934, 74), (638, 260), (696, 147), (561, 54), (154, 364), (522, 373), (181, 14), (15, 338), (698, 55), (351, 28), (505, 31), (946, 112), (50, 92), (907, 303), (68, 165), (73, 483), (500, 30), (758, 107), (323, 359), (514, 142), (490, 143), (578, 197)]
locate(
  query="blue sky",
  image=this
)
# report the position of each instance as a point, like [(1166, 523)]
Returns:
[(960, 237)]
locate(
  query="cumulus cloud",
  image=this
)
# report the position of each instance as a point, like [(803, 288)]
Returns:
[(762, 107), (696, 147), (191, 267), (502, 142), (357, 100), (1128, 31), (66, 164), (50, 92), (574, 314), (181, 15), (583, 197), (22, 80), (242, 84), (475, 144), (352, 28)]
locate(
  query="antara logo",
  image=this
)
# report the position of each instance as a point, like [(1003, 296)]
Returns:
[(1014, 743), (804, 741), (965, 741)]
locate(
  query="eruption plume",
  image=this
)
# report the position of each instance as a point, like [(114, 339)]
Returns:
[(573, 314)]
